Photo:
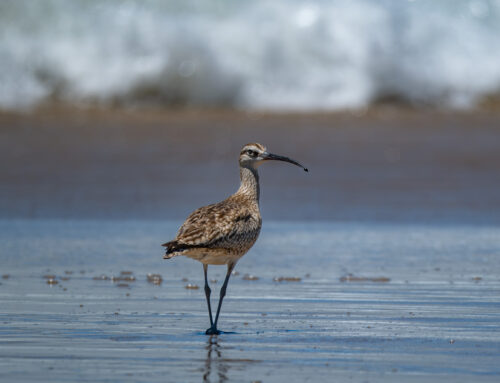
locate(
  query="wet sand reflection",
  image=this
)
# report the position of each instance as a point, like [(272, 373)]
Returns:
[(215, 364)]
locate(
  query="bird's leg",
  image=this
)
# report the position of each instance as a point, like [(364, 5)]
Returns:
[(207, 295), (213, 329)]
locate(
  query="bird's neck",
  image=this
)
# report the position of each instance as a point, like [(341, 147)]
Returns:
[(249, 183)]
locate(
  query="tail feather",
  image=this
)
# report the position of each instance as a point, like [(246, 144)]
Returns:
[(170, 248), (173, 247)]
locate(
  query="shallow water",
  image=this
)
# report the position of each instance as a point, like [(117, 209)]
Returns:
[(435, 318)]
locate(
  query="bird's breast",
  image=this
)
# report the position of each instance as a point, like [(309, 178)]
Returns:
[(243, 236)]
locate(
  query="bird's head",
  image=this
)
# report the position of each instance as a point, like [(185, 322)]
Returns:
[(253, 155)]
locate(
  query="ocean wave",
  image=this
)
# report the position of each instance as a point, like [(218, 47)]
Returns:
[(275, 55)]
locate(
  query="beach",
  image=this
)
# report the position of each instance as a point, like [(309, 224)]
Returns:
[(120, 118), (386, 164), (380, 264), (349, 302)]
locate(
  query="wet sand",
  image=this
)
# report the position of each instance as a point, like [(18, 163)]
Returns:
[(385, 165), (425, 305), (381, 264)]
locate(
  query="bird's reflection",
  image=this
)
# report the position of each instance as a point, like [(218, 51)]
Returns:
[(215, 366)]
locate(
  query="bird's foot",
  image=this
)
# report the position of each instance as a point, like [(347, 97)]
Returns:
[(212, 331)]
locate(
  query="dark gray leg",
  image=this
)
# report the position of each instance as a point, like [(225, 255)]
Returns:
[(213, 330), (207, 295)]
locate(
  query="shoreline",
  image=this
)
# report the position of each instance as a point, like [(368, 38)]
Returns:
[(60, 109)]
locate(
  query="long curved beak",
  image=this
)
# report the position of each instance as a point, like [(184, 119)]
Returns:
[(269, 156)]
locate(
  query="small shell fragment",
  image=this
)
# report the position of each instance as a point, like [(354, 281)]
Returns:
[(101, 277), (123, 278), (190, 286), (287, 279), (155, 279), (352, 278), (250, 277)]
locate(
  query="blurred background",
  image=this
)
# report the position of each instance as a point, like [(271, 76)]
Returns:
[(128, 109), (270, 55)]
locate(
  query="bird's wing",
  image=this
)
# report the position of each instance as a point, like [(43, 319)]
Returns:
[(213, 224)]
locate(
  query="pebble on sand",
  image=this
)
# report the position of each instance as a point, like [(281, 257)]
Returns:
[(101, 277), (250, 277), (155, 279), (287, 279), (190, 286), (123, 278), (352, 278)]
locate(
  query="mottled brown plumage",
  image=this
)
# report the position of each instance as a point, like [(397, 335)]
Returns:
[(222, 233)]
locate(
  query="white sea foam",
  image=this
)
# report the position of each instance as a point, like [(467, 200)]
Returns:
[(251, 54)]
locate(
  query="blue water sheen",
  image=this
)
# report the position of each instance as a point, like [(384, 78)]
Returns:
[(435, 319), (327, 250)]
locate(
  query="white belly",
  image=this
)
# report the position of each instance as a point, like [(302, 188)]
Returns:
[(213, 256)]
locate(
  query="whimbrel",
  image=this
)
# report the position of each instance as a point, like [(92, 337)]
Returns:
[(220, 234)]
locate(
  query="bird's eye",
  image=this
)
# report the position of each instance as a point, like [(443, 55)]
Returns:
[(252, 153)]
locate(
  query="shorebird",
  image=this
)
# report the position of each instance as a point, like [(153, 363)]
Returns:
[(221, 233)]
